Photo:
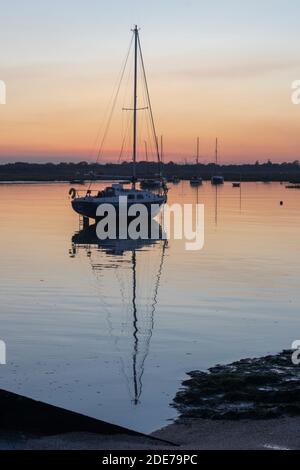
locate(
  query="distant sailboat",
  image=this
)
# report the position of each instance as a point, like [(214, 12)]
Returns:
[(88, 204), (174, 179), (196, 180), (237, 184), (151, 183), (217, 179)]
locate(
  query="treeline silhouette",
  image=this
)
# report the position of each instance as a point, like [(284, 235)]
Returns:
[(74, 172)]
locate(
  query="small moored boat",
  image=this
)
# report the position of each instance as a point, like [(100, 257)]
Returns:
[(175, 180), (151, 183), (196, 181), (217, 180)]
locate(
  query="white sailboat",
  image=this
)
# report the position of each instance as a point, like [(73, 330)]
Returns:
[(86, 205)]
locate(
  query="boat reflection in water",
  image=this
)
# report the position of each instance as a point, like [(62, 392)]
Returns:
[(129, 270)]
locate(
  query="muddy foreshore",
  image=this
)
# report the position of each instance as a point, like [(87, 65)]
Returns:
[(249, 404)]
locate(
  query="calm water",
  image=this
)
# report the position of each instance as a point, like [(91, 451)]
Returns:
[(111, 333)]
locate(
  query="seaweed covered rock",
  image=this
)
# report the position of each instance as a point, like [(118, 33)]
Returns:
[(266, 387)]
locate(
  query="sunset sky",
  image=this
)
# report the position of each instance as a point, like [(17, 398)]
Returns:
[(215, 68)]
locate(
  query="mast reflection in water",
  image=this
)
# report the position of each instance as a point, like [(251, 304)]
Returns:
[(138, 267)]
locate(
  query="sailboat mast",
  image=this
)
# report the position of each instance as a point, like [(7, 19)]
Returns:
[(216, 151), (136, 33), (197, 150)]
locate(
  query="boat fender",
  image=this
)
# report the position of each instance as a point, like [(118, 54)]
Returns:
[(72, 193)]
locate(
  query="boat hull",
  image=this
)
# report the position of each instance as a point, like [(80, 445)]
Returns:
[(217, 180), (88, 208)]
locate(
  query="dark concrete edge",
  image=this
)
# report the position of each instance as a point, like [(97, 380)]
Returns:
[(27, 416)]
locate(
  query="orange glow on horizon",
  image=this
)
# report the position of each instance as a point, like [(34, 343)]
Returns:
[(50, 116)]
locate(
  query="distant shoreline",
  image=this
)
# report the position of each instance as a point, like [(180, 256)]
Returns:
[(77, 173), (108, 180)]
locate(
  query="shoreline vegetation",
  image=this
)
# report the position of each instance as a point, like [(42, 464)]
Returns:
[(79, 172), (249, 404)]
